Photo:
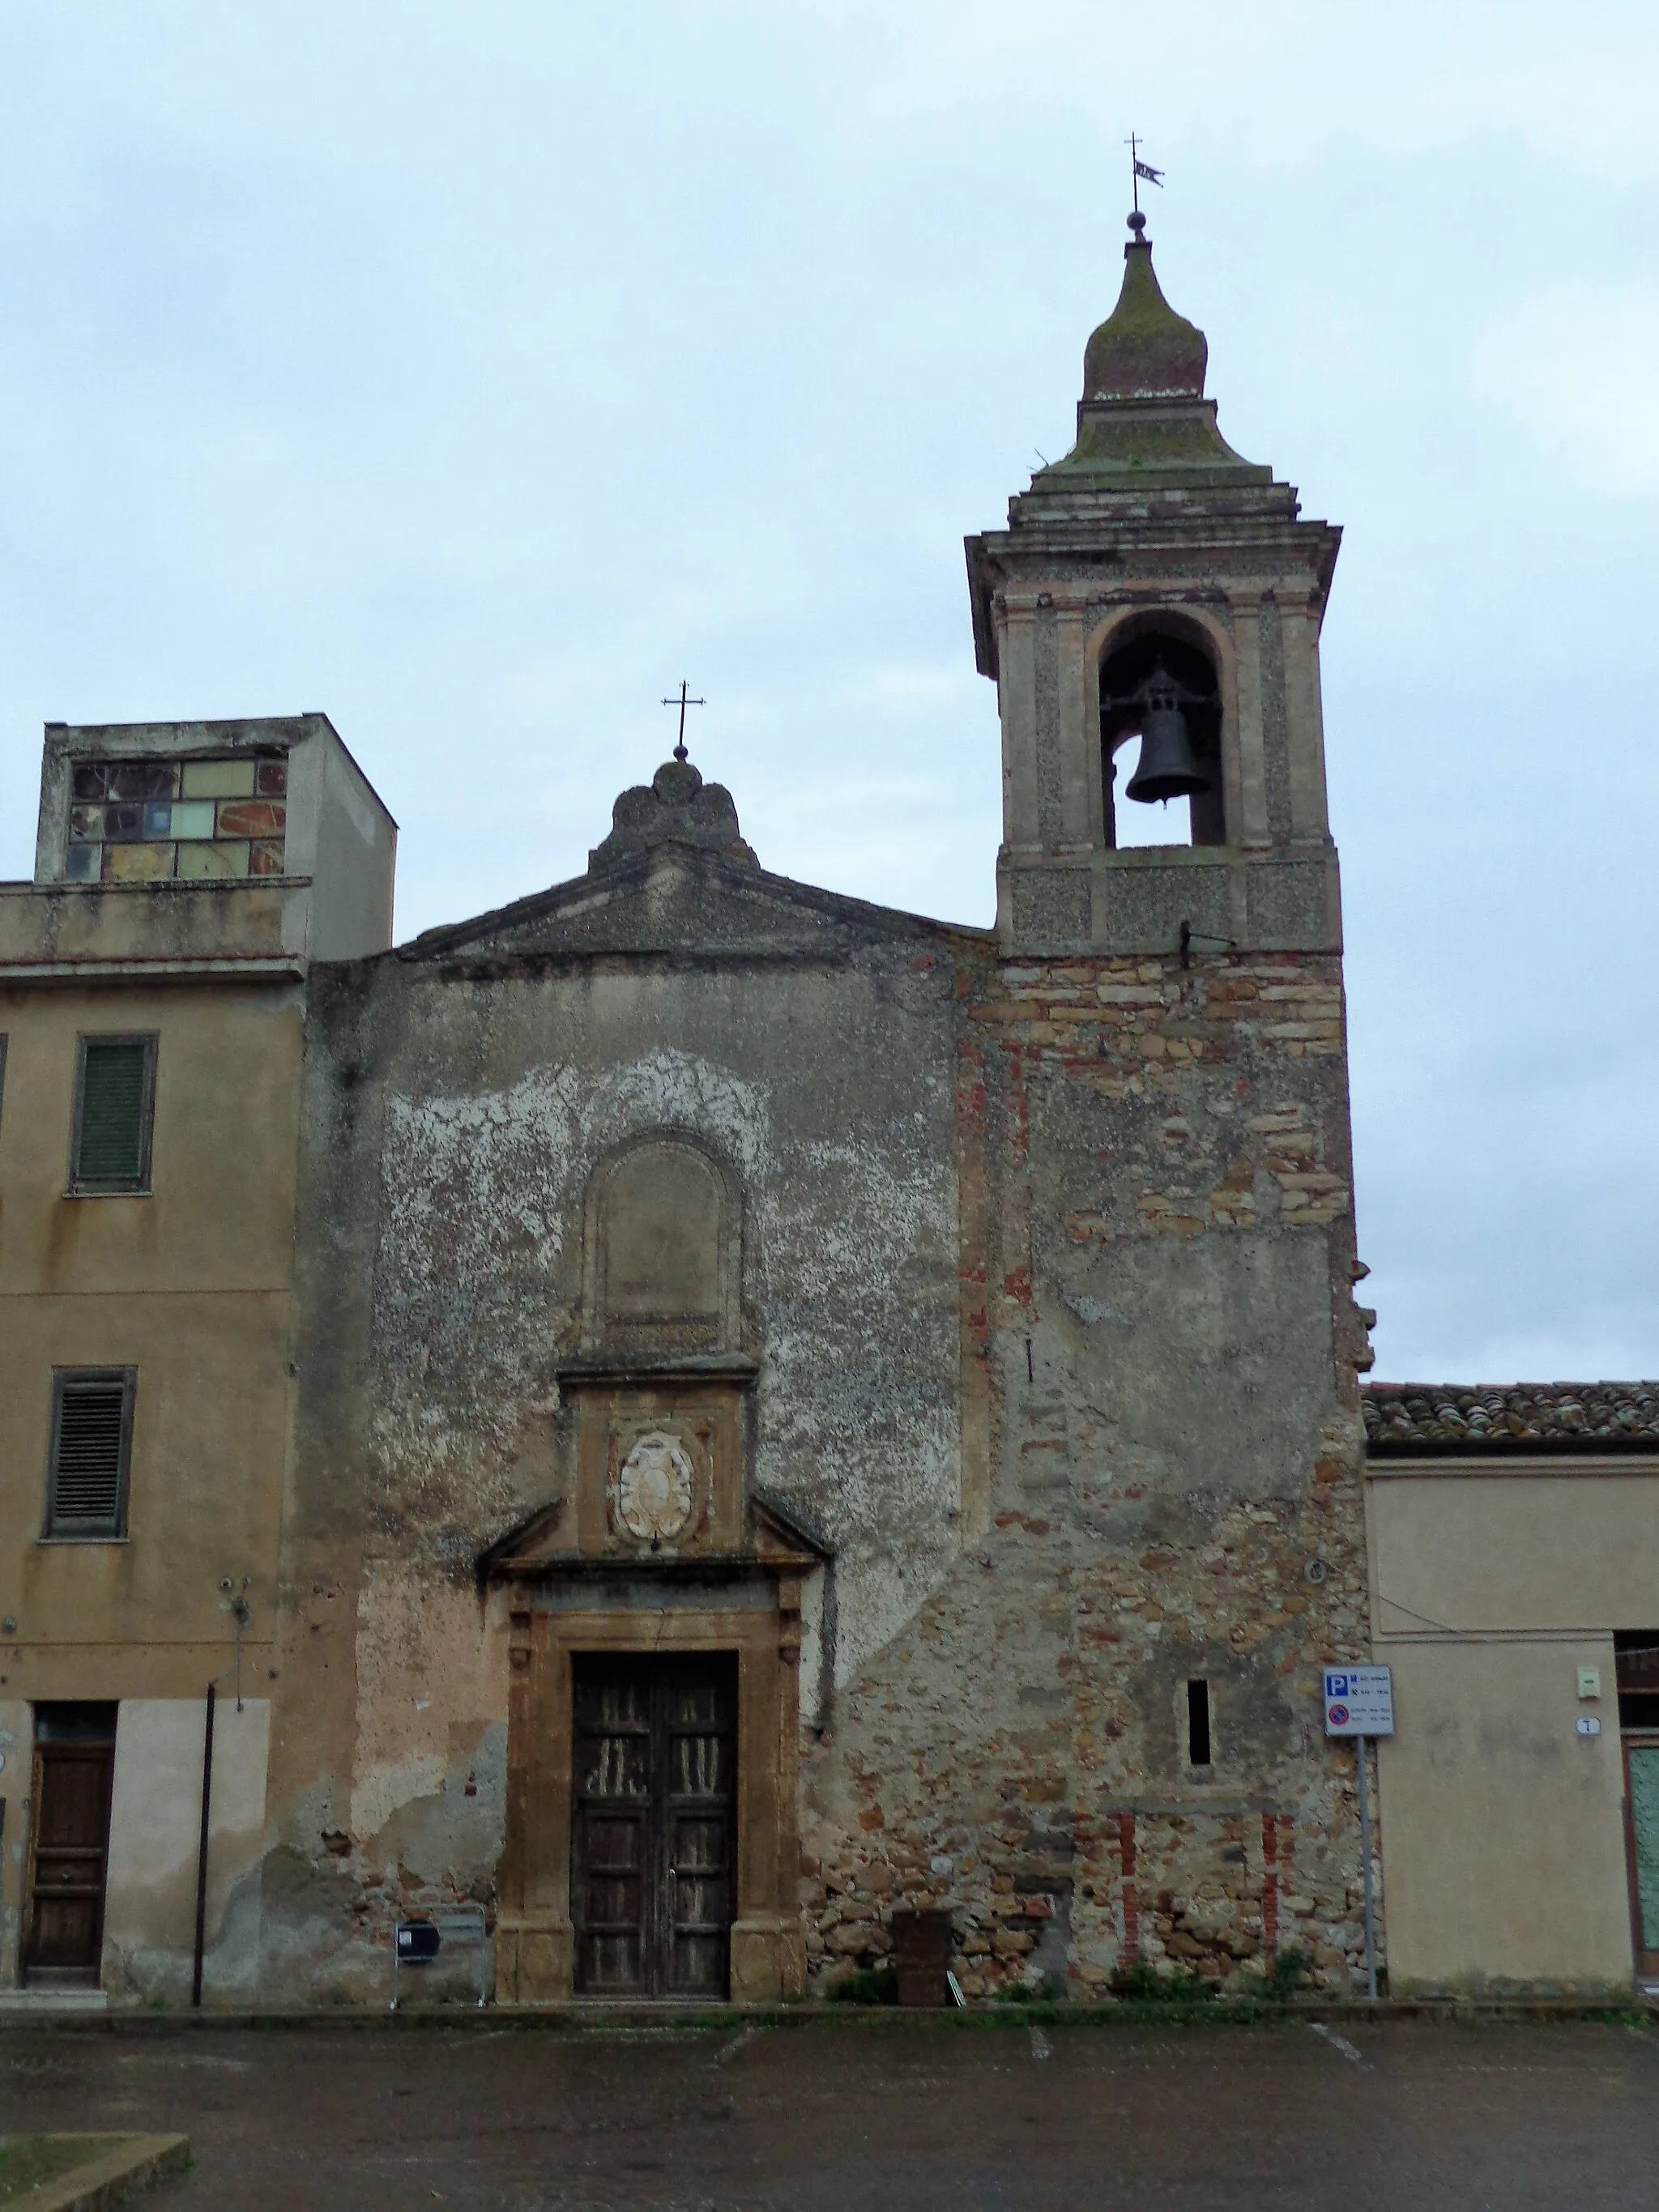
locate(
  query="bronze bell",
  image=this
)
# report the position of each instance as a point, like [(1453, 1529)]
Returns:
[(1166, 769)]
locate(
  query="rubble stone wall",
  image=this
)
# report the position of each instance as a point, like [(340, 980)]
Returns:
[(1163, 1309)]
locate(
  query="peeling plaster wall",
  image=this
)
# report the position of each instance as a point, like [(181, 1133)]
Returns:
[(452, 1127), (850, 1262), (1046, 1267), (155, 1810)]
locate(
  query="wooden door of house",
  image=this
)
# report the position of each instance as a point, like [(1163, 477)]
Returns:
[(652, 1872), (70, 1847)]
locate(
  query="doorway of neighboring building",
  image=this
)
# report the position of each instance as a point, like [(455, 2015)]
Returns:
[(68, 1845), (1641, 1840), (1637, 1660), (652, 1840)]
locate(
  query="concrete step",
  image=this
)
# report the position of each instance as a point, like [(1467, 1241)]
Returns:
[(39, 2001)]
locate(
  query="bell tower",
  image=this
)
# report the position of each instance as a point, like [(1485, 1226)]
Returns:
[(1155, 586), (1156, 1069)]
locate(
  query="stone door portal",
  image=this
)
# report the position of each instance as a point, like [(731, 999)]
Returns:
[(652, 1836)]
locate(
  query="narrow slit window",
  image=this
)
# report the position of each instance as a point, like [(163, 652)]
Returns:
[(114, 1090), (1198, 1723), (91, 1452)]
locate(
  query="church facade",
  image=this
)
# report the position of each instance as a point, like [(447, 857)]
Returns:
[(775, 1409), (802, 1408)]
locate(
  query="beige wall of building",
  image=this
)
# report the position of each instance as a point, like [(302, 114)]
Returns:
[(185, 1285), (188, 1287), (1503, 1828), (150, 1919)]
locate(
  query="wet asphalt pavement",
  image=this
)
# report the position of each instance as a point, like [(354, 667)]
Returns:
[(975, 2117)]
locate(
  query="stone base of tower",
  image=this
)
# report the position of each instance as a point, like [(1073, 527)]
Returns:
[(1157, 1156)]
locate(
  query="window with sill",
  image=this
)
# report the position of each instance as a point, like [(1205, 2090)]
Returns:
[(114, 1098), (91, 1453)]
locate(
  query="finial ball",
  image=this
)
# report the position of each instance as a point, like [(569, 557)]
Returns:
[(1137, 223)]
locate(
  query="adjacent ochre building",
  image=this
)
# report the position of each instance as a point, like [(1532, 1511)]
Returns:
[(688, 1413), (152, 1007), (1515, 1587)]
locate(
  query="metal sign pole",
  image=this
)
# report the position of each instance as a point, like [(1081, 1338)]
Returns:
[(1360, 1704), (1360, 1744)]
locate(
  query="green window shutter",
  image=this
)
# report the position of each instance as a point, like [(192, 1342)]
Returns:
[(110, 1143), (89, 1460)]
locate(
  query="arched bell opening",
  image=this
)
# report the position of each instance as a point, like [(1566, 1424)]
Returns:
[(1161, 689)]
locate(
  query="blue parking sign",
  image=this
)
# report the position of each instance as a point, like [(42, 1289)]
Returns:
[(1360, 1701)]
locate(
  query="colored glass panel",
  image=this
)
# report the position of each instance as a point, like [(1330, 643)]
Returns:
[(193, 818), (218, 779), (271, 779), (158, 822), (265, 858), (224, 858), (124, 822), (80, 864), (85, 821), (253, 817), (137, 864), (143, 779), (89, 780)]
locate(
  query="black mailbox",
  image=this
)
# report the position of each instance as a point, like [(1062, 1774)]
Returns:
[(418, 1942)]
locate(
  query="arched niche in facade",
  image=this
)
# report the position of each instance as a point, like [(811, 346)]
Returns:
[(663, 1243)]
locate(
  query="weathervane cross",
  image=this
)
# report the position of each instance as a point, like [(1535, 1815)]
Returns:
[(1138, 169), (683, 702)]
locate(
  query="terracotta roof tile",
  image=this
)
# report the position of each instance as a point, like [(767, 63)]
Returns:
[(1407, 1418)]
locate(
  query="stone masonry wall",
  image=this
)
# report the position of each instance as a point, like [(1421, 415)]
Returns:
[(1162, 1311)]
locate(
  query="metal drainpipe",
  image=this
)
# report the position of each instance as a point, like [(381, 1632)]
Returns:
[(202, 1851)]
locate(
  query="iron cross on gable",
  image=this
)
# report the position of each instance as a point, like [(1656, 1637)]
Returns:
[(683, 702)]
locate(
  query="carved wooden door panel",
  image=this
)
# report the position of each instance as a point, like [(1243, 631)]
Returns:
[(653, 1860), (699, 1745), (71, 1845)]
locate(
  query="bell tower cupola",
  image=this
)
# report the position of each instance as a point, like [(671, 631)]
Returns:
[(1151, 617)]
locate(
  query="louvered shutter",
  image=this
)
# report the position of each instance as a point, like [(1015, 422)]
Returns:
[(110, 1146), (88, 1466)]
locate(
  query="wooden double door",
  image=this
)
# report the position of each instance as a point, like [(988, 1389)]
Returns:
[(653, 1839)]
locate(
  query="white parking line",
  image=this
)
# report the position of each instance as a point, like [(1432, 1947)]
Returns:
[(1041, 2046), (1337, 2042)]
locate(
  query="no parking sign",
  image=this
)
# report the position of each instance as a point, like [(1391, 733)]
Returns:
[(1360, 1701)]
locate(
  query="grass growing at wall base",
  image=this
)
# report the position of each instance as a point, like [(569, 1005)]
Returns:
[(29, 2161), (876, 1985), (1142, 1985)]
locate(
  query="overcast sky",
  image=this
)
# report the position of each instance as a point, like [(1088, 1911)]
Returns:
[(474, 372)]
